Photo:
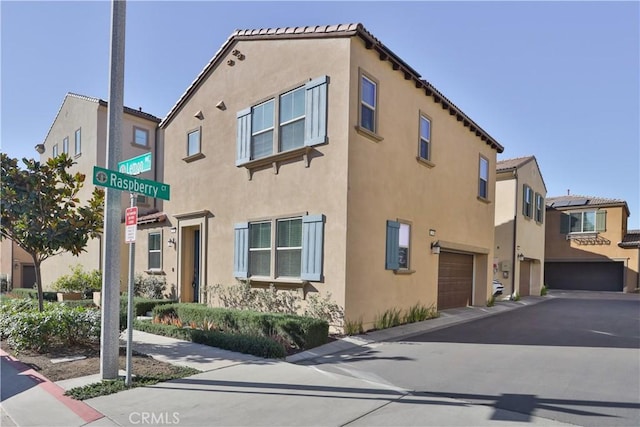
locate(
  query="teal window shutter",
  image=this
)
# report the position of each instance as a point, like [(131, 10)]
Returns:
[(315, 127), (565, 223), (312, 247), (601, 221), (241, 250), (243, 149), (393, 245)]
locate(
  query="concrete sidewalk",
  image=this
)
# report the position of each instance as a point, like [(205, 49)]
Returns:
[(237, 389)]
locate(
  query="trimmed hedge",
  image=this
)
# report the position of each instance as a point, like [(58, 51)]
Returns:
[(79, 303), (248, 344), (141, 306), (302, 332), (33, 293)]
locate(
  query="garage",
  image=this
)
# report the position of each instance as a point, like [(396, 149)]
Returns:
[(455, 280), (587, 276)]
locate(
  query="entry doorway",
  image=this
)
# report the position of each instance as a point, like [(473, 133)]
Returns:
[(28, 276), (191, 264)]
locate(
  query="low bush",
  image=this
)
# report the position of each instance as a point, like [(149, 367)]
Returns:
[(79, 280), (390, 318), (26, 328), (544, 291), (141, 306), (249, 344), (151, 287), (88, 303), (33, 293), (353, 327), (419, 313), (297, 331)]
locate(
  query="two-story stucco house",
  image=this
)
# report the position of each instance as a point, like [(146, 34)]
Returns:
[(315, 159), (80, 130), (519, 222), (588, 245)]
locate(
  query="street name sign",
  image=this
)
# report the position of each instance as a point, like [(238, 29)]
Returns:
[(136, 165), (131, 224), (120, 181)]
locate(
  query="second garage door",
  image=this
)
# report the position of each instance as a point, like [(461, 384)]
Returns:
[(455, 280), (590, 276)]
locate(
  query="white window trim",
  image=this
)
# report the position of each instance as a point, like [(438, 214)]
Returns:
[(483, 179), (77, 135), (149, 251), (146, 131), (65, 145)]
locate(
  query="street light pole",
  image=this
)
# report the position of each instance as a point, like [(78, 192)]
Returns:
[(110, 331)]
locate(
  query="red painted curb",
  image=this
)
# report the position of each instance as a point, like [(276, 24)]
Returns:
[(84, 411)]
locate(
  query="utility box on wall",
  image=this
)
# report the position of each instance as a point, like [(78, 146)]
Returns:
[(505, 266)]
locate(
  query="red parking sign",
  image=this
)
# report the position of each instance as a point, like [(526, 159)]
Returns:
[(131, 224)]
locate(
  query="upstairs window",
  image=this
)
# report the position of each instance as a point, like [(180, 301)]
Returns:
[(78, 142), (285, 123), (539, 208), (483, 178), (65, 145), (193, 143), (527, 201), (425, 138), (140, 136), (583, 222), (368, 104), (54, 152)]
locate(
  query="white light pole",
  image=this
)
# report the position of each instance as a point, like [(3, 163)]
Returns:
[(110, 332)]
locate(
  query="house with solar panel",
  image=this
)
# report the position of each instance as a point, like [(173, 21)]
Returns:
[(316, 160), (588, 245), (520, 232)]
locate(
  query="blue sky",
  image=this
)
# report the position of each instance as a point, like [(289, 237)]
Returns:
[(559, 80)]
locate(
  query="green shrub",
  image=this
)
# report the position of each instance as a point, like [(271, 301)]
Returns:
[(516, 297), (543, 291), (79, 280), (388, 319), (419, 313), (151, 287), (33, 293), (298, 331), (353, 327), (249, 344), (26, 328), (141, 306), (491, 301), (79, 303)]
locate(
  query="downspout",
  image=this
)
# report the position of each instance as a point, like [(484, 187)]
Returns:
[(515, 236)]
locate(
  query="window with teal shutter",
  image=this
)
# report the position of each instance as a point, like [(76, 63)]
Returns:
[(284, 123), (601, 221), (241, 250), (393, 246), (312, 247)]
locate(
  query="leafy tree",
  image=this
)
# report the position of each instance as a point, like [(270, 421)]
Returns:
[(40, 210)]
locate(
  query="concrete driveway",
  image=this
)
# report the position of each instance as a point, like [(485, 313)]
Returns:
[(574, 358)]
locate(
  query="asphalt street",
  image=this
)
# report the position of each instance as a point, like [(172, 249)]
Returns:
[(574, 358)]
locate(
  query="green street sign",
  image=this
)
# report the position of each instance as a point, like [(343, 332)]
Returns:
[(124, 182), (136, 165)]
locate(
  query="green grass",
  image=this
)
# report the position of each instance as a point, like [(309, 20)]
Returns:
[(106, 387)]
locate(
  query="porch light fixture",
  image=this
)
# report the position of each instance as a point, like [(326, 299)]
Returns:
[(435, 247), (520, 257), (40, 148), (171, 242), (173, 229)]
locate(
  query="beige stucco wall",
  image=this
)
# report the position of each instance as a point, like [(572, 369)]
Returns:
[(214, 184), (527, 237), (91, 118), (386, 182), (13, 259), (558, 248)]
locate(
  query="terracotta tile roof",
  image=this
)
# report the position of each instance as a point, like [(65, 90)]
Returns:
[(509, 164), (574, 201), (631, 239), (340, 30), (151, 218)]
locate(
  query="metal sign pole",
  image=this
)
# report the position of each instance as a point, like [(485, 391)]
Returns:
[(132, 261)]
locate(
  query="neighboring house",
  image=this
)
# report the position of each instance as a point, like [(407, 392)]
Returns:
[(588, 245), (315, 159), (520, 231), (80, 130), (16, 266)]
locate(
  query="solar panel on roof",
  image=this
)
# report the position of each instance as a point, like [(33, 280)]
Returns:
[(560, 203), (578, 202)]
